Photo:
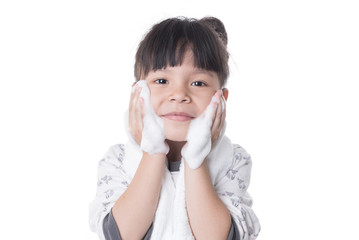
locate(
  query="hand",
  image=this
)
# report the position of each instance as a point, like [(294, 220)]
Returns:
[(204, 131), (152, 137), (219, 119), (135, 115)]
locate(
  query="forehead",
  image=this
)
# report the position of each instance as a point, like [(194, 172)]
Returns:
[(188, 65)]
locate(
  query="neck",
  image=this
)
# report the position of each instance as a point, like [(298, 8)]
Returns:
[(175, 150)]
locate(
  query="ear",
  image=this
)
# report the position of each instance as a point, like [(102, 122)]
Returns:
[(225, 93)]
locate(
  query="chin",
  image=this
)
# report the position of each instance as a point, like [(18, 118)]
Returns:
[(176, 132)]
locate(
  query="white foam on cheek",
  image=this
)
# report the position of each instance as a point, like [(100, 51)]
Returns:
[(199, 137), (153, 136)]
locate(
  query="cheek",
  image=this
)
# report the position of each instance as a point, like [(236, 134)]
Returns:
[(155, 102), (203, 102)]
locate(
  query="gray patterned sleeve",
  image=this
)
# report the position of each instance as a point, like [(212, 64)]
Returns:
[(233, 232), (112, 182), (232, 190), (111, 231)]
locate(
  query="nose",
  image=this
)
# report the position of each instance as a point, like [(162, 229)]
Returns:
[(179, 95)]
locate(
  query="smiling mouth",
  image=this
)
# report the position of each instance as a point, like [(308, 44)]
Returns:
[(181, 117)]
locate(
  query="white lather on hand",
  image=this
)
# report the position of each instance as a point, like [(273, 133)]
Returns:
[(153, 134), (199, 138)]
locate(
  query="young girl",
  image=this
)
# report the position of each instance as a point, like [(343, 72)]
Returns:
[(179, 176)]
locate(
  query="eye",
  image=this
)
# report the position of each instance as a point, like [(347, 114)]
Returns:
[(161, 81), (198, 84)]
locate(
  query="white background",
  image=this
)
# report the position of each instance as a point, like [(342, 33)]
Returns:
[(66, 68)]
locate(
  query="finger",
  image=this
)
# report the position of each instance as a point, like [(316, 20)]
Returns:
[(130, 108), (135, 119), (133, 96), (132, 104), (221, 116), (139, 111), (222, 112), (224, 102), (223, 120), (139, 114), (217, 114)]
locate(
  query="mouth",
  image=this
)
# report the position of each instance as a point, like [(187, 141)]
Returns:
[(178, 116)]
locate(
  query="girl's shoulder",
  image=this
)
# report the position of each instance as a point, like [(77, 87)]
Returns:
[(116, 149), (241, 156), (113, 156), (239, 150)]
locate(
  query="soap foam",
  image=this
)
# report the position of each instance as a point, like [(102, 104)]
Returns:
[(199, 140), (153, 134)]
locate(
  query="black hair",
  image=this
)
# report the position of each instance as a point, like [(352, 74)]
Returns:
[(166, 43)]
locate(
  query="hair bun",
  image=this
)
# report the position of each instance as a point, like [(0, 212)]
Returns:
[(217, 26)]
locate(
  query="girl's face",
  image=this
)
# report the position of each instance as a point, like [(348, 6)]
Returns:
[(180, 94)]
